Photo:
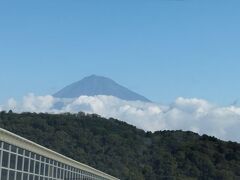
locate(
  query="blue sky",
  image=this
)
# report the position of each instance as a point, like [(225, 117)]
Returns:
[(162, 49)]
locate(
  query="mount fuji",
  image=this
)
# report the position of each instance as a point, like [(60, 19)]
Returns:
[(98, 85)]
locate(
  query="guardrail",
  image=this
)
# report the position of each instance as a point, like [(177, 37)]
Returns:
[(75, 169)]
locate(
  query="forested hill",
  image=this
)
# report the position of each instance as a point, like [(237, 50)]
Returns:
[(127, 152)]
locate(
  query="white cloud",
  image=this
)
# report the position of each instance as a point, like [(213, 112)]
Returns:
[(12, 103), (194, 114), (31, 103)]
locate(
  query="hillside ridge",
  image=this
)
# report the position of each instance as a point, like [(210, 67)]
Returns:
[(126, 152)]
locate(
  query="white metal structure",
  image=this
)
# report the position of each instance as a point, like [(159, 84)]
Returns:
[(21, 159)]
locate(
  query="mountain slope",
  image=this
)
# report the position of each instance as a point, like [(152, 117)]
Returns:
[(127, 152), (98, 85)]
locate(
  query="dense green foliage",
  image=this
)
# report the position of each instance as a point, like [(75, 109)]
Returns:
[(127, 152)]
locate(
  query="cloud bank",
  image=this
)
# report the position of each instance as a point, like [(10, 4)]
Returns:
[(196, 115)]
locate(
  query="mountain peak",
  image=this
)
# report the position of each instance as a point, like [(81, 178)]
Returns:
[(94, 76), (98, 85), (97, 78)]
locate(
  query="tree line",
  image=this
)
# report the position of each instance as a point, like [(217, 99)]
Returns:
[(125, 151)]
